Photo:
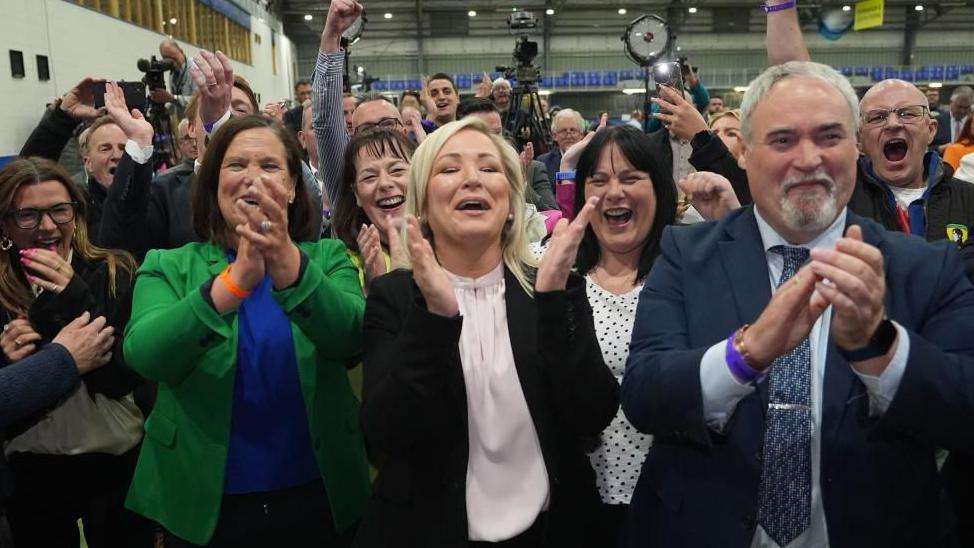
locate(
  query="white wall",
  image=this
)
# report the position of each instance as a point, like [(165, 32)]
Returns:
[(81, 42)]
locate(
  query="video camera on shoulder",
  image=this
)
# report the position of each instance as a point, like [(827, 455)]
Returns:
[(155, 71)]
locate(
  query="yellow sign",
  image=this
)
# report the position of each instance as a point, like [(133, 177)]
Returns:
[(869, 14)]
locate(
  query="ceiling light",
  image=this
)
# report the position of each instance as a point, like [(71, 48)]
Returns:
[(172, 21), (308, 17), (472, 13), (622, 11), (544, 92), (936, 85), (740, 89), (846, 8), (692, 10), (918, 7), (387, 15), (549, 11), (633, 91)]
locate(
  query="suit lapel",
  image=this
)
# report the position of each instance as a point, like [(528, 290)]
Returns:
[(522, 327), (746, 267)]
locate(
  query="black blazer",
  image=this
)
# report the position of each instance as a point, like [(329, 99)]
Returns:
[(944, 120), (414, 411)]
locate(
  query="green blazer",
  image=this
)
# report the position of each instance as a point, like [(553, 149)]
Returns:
[(176, 338)]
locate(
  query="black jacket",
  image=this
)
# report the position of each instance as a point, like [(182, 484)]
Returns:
[(89, 291), (48, 141), (142, 213), (414, 411)]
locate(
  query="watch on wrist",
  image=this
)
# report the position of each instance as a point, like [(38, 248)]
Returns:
[(878, 345)]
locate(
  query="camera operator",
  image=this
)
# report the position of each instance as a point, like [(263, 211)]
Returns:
[(181, 85)]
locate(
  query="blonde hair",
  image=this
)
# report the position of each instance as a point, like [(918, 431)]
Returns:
[(514, 241), (733, 113)]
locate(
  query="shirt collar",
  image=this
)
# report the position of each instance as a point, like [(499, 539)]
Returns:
[(828, 238)]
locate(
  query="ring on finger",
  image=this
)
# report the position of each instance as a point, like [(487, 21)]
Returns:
[(17, 342), (266, 225), (55, 288)]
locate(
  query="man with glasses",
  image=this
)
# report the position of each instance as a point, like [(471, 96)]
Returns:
[(566, 129), (901, 184)]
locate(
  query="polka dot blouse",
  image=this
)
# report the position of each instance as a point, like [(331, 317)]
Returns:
[(619, 458)]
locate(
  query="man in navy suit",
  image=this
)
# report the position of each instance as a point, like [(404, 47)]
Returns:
[(951, 120), (798, 402)]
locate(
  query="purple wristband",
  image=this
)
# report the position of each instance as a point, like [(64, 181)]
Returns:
[(742, 371), (778, 7)]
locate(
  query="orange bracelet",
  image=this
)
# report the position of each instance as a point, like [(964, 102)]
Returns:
[(231, 286)]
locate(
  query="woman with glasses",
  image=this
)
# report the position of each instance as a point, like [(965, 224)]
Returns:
[(254, 440), (75, 459)]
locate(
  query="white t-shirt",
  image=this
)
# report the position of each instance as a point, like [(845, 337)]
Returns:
[(906, 196)]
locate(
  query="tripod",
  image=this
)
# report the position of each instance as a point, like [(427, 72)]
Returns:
[(162, 141), (534, 121)]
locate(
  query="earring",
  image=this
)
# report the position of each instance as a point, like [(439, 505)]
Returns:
[(510, 216), (6, 243)]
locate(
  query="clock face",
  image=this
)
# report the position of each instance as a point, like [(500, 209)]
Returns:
[(355, 31), (648, 38)]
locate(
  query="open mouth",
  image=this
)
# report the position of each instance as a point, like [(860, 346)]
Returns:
[(443, 104), (392, 202), (47, 243), (473, 204), (617, 216), (895, 149), (251, 202)]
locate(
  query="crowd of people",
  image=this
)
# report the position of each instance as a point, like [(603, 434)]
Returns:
[(357, 323)]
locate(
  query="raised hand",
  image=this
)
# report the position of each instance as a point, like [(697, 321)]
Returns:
[(570, 157), (18, 339), (559, 259), (397, 254), (88, 341), (855, 287), (680, 116), (46, 268), (341, 15), (427, 99), (213, 75), (428, 274), (133, 123), (370, 250), (414, 124), (711, 194), (526, 156), (275, 111), (485, 87), (79, 101)]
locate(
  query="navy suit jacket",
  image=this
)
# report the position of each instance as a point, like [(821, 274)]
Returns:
[(878, 476), (551, 161), (942, 137)]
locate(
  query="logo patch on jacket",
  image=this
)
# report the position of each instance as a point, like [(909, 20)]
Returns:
[(957, 233)]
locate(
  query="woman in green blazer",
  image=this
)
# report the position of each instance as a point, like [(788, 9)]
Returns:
[(254, 439)]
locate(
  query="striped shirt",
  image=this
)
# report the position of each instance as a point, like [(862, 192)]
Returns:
[(329, 121)]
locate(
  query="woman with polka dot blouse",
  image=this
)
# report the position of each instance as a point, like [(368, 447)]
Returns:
[(638, 199)]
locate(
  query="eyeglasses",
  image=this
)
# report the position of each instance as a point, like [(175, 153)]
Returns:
[(385, 123), (568, 131), (29, 218), (911, 114), (187, 139)]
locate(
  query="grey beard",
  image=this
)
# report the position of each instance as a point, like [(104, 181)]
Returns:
[(807, 213)]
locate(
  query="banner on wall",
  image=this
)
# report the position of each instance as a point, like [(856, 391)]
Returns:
[(869, 14), (232, 11)]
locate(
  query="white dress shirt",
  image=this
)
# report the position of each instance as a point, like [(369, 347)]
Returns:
[(721, 391), (507, 481)]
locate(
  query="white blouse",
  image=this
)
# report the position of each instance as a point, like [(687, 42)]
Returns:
[(507, 482), (619, 458)]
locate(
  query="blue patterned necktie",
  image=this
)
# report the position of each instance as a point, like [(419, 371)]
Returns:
[(785, 497)]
